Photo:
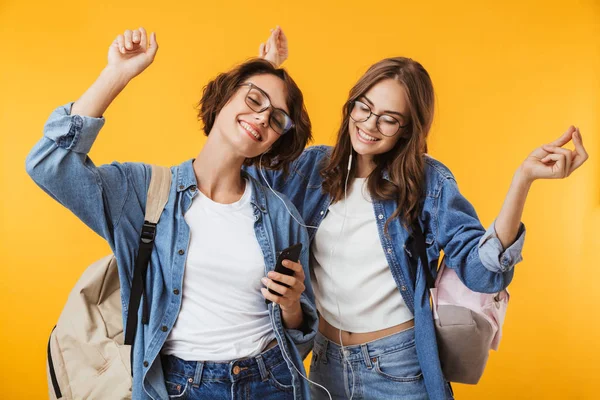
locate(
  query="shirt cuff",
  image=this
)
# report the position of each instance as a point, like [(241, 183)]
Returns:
[(72, 132), (493, 255), (303, 338)]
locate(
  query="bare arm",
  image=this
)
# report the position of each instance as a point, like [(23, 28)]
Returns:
[(550, 161), (128, 55)]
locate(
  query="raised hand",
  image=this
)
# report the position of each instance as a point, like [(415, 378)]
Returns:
[(276, 49), (131, 52), (553, 161)]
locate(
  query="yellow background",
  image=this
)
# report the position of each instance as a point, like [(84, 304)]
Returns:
[(508, 77)]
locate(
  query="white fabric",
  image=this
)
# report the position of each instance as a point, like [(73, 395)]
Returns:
[(358, 273), (223, 314)]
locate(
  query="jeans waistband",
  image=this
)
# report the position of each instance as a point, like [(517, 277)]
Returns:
[(397, 341), (235, 370)]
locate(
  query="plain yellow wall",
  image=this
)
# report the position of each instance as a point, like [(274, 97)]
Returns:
[(509, 76)]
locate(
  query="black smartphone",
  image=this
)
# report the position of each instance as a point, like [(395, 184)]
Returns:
[(292, 253)]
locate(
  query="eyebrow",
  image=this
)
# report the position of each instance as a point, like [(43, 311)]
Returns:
[(385, 111)]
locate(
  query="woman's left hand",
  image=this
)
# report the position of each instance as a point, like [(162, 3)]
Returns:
[(552, 161), (290, 297)]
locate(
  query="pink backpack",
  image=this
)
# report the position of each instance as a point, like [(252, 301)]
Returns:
[(468, 324)]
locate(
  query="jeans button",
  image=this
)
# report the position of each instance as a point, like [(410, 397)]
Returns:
[(236, 370)]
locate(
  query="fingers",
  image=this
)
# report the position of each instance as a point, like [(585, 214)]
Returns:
[(282, 37), (143, 38), (565, 138), (272, 41), (282, 290), (581, 154), (135, 40), (153, 48), (128, 39), (270, 296), (261, 51), (559, 169), (294, 266), (566, 161), (121, 43)]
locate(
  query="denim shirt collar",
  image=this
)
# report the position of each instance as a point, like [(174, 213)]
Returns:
[(186, 178)]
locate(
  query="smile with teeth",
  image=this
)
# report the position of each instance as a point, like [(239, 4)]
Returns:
[(248, 128), (366, 137)]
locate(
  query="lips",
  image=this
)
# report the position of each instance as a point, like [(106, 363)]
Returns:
[(366, 138), (251, 130)]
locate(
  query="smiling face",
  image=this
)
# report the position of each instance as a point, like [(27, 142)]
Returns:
[(249, 132), (388, 99)]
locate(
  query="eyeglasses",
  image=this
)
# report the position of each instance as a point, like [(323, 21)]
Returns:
[(386, 124), (259, 102)]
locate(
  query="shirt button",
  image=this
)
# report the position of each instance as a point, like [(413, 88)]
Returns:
[(190, 380), (164, 328), (322, 212), (175, 291), (389, 250), (145, 363), (193, 188), (380, 216), (181, 251), (403, 288), (236, 370), (181, 187)]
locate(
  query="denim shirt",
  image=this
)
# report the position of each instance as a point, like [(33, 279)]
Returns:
[(449, 223), (111, 200)]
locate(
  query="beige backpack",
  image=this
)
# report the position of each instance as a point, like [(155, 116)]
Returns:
[(87, 354)]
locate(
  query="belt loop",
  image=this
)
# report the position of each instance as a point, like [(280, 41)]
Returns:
[(365, 353), (198, 373), (264, 374)]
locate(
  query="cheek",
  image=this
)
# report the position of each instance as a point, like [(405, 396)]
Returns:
[(272, 138)]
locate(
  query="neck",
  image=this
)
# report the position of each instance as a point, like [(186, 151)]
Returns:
[(364, 165), (217, 171)]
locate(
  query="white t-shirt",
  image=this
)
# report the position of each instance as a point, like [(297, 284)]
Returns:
[(358, 273), (223, 314)]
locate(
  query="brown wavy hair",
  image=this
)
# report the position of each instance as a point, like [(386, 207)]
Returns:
[(405, 162), (220, 90)]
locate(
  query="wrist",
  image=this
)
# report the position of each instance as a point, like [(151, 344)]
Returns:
[(115, 77), (522, 178), (292, 311)]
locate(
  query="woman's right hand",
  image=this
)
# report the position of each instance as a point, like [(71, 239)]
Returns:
[(276, 49), (130, 53)]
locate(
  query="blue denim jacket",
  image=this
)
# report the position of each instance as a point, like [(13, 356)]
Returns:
[(111, 200), (449, 223)]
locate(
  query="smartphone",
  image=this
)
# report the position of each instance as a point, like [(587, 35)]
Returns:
[(292, 253)]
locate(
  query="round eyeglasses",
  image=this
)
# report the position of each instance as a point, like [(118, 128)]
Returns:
[(386, 124)]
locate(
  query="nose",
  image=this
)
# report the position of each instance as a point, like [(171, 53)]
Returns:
[(371, 123), (263, 117)]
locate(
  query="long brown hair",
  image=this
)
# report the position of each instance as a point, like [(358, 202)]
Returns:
[(218, 92), (405, 162)]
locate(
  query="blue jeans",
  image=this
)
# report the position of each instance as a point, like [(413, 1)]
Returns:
[(265, 376), (386, 368)]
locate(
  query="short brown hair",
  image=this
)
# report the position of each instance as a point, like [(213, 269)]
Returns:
[(218, 92)]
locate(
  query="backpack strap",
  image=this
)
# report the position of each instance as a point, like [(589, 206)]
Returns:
[(158, 195)]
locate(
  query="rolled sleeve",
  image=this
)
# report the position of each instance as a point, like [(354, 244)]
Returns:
[(493, 255), (72, 132), (303, 338)]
